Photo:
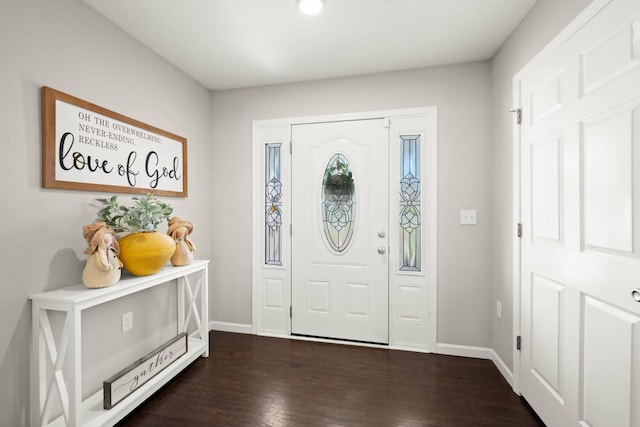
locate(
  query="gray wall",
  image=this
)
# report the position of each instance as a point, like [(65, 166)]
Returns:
[(65, 45), (462, 94), (543, 22)]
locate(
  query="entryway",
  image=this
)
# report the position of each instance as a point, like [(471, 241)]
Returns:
[(345, 228)]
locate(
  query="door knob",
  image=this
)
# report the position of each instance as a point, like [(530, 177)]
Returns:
[(382, 250), (381, 234), (635, 294)]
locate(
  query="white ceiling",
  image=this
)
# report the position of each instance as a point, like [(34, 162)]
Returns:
[(226, 44)]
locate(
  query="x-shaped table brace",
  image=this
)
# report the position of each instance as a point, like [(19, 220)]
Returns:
[(185, 288)]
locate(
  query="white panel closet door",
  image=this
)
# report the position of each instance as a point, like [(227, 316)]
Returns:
[(580, 165)]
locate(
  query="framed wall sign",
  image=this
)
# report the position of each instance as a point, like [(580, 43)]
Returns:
[(142, 370), (87, 147)]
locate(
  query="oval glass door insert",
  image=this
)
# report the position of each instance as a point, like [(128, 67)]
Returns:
[(338, 202)]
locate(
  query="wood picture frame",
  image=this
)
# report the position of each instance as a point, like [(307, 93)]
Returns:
[(87, 147)]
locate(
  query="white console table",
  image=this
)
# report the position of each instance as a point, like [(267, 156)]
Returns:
[(52, 384)]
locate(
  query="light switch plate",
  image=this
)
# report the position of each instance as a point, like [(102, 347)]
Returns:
[(468, 217)]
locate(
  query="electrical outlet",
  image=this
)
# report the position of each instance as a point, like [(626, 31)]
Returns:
[(127, 321), (468, 217), (499, 309)]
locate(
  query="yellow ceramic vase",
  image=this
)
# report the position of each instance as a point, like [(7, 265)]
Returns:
[(145, 253)]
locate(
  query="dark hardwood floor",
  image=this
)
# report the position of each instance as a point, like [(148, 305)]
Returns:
[(257, 381)]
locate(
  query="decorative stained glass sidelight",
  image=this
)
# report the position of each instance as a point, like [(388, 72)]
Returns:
[(273, 205), (338, 202), (410, 217)]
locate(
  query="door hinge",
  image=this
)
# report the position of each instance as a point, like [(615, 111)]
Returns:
[(518, 112), (518, 343), (290, 147), (520, 230), (290, 312), (290, 229)]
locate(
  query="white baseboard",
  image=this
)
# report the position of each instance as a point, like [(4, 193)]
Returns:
[(478, 353), (230, 327), (502, 367), (464, 351)]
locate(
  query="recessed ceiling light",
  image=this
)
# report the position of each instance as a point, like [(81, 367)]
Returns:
[(310, 7)]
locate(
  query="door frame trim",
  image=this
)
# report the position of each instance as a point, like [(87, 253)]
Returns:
[(274, 319), (578, 22)]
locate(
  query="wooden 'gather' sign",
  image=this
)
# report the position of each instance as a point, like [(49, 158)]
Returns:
[(87, 147), (142, 370)]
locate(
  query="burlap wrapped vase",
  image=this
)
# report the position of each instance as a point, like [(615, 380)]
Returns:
[(103, 265), (179, 230)]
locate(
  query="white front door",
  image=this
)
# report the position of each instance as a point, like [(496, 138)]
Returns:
[(340, 211), (580, 271)]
